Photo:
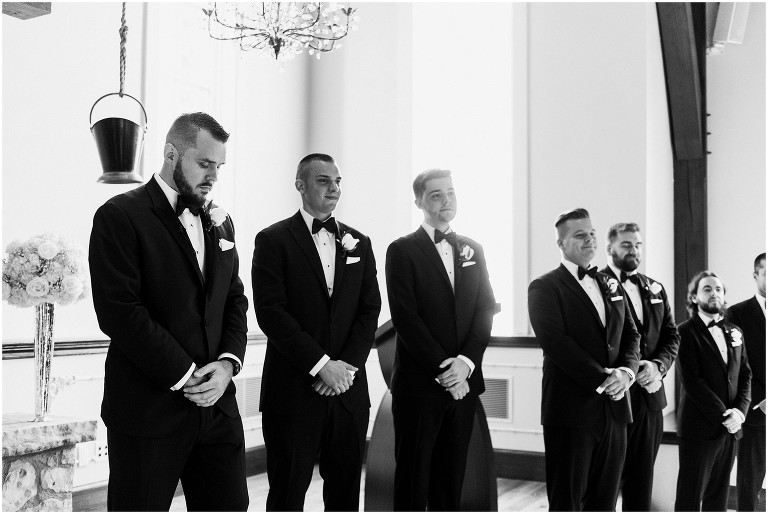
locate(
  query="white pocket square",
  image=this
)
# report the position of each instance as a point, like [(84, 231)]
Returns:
[(656, 300), (468, 263), (352, 260), (226, 245), (617, 298)]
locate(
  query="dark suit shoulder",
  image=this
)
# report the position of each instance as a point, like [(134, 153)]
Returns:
[(550, 276), (278, 226), (129, 198), (744, 306), (352, 230), (687, 325)]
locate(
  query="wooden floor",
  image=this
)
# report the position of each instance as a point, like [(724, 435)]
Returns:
[(514, 495)]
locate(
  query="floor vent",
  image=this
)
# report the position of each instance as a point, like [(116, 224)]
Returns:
[(496, 398)]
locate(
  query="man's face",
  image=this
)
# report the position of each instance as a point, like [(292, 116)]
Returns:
[(710, 296), (197, 170), (760, 278), (320, 189), (626, 251), (438, 201), (579, 241)]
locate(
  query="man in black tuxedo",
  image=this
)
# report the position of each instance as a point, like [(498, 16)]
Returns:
[(583, 322), (317, 301), (659, 342), (166, 290), (715, 397), (749, 316), (442, 308)]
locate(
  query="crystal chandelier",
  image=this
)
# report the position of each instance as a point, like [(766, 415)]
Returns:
[(282, 28)]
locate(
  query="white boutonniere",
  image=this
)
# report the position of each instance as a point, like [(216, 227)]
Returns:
[(613, 285), (465, 253), (214, 217), (735, 337), (655, 288), (349, 242)]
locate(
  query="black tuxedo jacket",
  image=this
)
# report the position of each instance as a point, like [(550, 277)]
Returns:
[(750, 318), (302, 323), (659, 339), (159, 311), (709, 386), (577, 347), (432, 322)]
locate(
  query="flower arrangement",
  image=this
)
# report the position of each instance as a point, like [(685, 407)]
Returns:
[(44, 269)]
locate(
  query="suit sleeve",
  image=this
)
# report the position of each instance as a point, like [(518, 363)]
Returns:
[(544, 310), (696, 386), (115, 265), (234, 324), (669, 338), (629, 353), (482, 322), (404, 308), (744, 394), (363, 330), (270, 301)]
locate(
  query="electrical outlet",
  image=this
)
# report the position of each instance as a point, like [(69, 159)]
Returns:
[(84, 453), (101, 451)]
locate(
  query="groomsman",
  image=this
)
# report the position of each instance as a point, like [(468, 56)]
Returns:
[(317, 300), (716, 394), (659, 341), (583, 322), (749, 316), (442, 308)]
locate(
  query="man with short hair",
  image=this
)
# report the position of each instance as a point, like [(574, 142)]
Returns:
[(749, 316), (583, 323), (659, 342), (166, 290), (317, 301), (442, 307), (715, 375)]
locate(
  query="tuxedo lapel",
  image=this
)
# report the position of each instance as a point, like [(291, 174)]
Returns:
[(645, 299), (571, 282), (211, 256), (303, 238), (428, 247), (341, 261), (163, 210), (710, 342)]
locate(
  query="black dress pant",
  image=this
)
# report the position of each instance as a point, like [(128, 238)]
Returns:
[(643, 441), (750, 466), (704, 475), (293, 441), (583, 465), (207, 455), (431, 444)]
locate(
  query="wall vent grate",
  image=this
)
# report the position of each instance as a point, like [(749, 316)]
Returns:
[(496, 398)]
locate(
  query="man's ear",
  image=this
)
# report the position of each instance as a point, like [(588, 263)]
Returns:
[(419, 203), (170, 154), (299, 184)]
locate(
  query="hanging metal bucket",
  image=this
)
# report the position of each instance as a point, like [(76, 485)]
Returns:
[(120, 140)]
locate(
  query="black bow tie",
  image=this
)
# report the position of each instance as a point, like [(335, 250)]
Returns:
[(713, 323), (450, 237), (329, 225), (592, 272), (182, 203), (632, 278)]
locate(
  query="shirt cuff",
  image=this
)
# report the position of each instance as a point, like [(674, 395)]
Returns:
[(183, 381), (629, 372), (469, 363), (322, 362), (231, 356)]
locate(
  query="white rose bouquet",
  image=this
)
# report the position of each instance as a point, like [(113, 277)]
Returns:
[(45, 269)]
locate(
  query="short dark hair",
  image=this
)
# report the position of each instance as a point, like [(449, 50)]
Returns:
[(183, 133), (759, 261), (693, 287), (420, 182), (578, 213), (303, 167), (618, 228)]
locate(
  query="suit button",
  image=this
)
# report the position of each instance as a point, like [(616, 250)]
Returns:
[(609, 347)]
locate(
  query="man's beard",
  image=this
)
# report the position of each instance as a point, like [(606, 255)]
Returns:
[(712, 309), (186, 190), (623, 264)]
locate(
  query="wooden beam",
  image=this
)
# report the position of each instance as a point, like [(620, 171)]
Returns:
[(26, 10)]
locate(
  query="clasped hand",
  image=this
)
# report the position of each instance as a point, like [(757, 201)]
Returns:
[(207, 384), (334, 378), (648, 376), (732, 421), (616, 384), (454, 379)]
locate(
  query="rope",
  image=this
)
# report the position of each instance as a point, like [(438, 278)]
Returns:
[(123, 38)]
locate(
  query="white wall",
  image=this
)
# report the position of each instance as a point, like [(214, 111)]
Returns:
[(736, 185)]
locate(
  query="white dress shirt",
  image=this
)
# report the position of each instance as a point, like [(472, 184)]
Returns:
[(446, 251), (632, 291), (592, 288), (193, 226)]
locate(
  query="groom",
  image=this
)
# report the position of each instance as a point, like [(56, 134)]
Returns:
[(317, 301), (166, 291), (442, 308)]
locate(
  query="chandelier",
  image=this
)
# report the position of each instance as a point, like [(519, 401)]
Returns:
[(282, 28)]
